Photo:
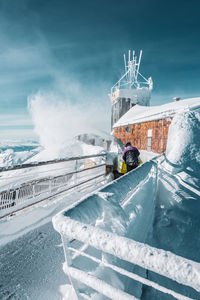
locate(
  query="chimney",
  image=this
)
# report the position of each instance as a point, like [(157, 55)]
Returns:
[(176, 99)]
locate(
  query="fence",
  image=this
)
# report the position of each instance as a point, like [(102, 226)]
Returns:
[(92, 252), (127, 250), (33, 187)]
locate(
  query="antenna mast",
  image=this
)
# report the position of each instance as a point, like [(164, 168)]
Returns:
[(130, 78)]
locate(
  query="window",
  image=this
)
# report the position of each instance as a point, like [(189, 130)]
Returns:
[(128, 129), (149, 143), (164, 122), (149, 138), (149, 133)]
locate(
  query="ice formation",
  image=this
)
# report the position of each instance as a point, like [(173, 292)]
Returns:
[(158, 207)]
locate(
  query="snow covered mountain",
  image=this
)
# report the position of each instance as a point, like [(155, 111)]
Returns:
[(16, 153)]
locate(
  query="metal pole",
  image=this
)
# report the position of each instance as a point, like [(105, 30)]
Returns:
[(139, 61), (76, 166), (125, 63), (68, 260)]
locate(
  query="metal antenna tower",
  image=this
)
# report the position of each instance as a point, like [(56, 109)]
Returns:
[(130, 78)]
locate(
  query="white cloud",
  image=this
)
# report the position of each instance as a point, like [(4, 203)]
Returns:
[(58, 120)]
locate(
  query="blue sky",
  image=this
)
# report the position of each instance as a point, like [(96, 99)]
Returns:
[(74, 49)]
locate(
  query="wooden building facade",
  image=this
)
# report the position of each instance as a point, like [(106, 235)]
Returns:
[(150, 135), (146, 127)]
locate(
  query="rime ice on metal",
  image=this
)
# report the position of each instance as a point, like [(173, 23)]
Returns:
[(132, 88)]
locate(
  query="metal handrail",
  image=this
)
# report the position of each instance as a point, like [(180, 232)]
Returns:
[(136, 253), (43, 163), (53, 195), (52, 178), (37, 190), (79, 238)]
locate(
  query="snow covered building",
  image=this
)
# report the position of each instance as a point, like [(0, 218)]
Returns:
[(147, 127), (133, 120)]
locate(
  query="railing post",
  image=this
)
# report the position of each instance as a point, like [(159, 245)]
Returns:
[(68, 261), (76, 167), (50, 184), (33, 190), (17, 196)]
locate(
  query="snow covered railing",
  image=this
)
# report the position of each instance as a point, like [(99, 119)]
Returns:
[(38, 186), (165, 263), (100, 255), (50, 162)]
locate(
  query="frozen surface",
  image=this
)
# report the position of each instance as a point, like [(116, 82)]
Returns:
[(166, 218), (164, 263), (31, 254), (30, 266), (157, 204), (147, 155), (183, 147), (139, 113)]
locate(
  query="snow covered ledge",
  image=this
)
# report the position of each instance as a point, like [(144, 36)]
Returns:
[(79, 223), (165, 263), (147, 155)]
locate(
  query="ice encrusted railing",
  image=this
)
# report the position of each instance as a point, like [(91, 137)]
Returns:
[(95, 252), (28, 184)]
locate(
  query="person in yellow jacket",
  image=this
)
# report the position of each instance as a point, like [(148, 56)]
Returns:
[(122, 166), (122, 169)]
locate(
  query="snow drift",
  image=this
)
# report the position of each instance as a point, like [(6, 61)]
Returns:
[(114, 209), (183, 147)]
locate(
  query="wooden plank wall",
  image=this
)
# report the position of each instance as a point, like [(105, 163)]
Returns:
[(137, 134)]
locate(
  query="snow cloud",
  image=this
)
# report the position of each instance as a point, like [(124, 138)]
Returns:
[(57, 120)]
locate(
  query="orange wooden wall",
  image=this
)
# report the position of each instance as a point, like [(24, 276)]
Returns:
[(138, 134)]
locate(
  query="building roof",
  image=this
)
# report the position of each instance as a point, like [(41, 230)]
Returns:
[(139, 114)]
